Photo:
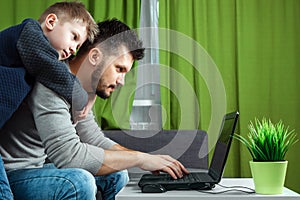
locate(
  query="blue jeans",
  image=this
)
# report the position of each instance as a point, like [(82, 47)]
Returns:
[(60, 184), (5, 192)]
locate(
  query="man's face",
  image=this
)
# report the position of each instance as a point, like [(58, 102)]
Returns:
[(115, 69)]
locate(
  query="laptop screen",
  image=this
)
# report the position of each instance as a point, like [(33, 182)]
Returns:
[(223, 145)]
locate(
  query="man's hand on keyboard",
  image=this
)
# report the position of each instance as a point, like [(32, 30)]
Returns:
[(165, 163)]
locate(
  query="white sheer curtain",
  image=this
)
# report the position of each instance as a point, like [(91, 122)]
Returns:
[(146, 111)]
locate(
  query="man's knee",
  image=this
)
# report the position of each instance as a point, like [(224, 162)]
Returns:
[(111, 184), (80, 183), (122, 179)]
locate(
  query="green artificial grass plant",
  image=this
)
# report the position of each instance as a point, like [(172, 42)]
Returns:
[(267, 141)]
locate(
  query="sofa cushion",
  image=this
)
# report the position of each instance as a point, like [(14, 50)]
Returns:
[(190, 147)]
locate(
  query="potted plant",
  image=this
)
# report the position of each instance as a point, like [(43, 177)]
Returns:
[(268, 144)]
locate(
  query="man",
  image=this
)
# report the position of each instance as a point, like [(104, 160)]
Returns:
[(43, 127)]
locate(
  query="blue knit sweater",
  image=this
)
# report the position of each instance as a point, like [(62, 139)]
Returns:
[(25, 46)]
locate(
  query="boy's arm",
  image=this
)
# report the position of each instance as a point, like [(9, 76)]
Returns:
[(41, 61)]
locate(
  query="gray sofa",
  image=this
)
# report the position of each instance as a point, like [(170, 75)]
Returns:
[(188, 146)]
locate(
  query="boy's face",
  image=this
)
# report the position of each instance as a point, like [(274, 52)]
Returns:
[(66, 37)]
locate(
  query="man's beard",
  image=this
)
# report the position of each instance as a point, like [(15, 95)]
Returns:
[(96, 79), (102, 94)]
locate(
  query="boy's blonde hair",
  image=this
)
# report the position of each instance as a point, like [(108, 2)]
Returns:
[(72, 11)]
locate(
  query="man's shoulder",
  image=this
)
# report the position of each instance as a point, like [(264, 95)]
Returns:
[(42, 93)]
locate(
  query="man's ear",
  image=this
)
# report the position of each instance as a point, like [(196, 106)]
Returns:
[(51, 21), (95, 56)]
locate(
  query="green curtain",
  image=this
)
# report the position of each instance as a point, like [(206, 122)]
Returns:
[(268, 68), (13, 12), (255, 47)]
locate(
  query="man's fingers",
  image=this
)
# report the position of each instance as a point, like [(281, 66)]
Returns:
[(170, 171), (176, 166), (173, 169), (185, 171)]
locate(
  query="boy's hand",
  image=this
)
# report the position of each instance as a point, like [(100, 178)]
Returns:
[(79, 115)]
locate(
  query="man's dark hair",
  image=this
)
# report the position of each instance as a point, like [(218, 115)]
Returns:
[(113, 34)]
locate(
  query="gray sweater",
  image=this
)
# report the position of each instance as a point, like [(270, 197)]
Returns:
[(42, 127)]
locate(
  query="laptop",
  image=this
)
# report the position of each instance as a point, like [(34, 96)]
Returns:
[(150, 183)]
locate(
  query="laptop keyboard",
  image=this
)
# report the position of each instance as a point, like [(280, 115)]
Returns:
[(187, 178)]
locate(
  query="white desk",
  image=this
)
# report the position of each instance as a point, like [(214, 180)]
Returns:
[(133, 192)]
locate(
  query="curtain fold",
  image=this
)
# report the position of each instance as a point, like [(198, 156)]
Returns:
[(268, 69), (254, 45)]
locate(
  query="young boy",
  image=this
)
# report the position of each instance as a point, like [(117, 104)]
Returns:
[(34, 50)]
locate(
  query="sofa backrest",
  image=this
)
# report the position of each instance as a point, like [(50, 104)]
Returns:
[(188, 146)]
